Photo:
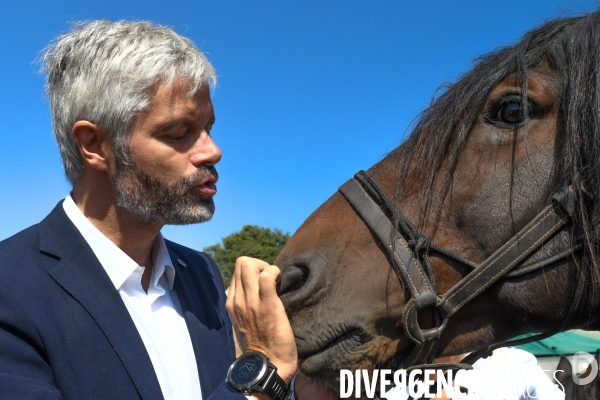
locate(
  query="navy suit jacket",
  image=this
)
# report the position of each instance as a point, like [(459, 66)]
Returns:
[(65, 333)]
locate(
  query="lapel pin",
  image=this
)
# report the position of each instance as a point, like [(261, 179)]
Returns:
[(181, 263)]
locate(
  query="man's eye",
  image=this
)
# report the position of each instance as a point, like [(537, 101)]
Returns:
[(180, 138)]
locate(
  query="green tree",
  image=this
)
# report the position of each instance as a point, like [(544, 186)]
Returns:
[(252, 241)]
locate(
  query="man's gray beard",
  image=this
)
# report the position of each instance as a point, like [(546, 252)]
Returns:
[(151, 200)]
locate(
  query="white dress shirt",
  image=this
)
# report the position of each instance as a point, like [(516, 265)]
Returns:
[(157, 314)]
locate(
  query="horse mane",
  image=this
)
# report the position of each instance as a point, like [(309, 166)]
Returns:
[(571, 47)]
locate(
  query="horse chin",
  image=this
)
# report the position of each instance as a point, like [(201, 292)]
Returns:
[(352, 350), (325, 368), (323, 361)]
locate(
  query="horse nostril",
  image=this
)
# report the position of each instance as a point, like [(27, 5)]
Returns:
[(293, 278)]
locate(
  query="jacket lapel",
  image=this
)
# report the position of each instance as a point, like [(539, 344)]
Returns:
[(206, 327), (79, 272)]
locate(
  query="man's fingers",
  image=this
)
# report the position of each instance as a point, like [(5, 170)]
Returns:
[(251, 271), (252, 281), (267, 282), (230, 296), (245, 283), (236, 301), (239, 289), (231, 289), (251, 261)]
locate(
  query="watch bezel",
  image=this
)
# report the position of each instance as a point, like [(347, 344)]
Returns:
[(245, 388)]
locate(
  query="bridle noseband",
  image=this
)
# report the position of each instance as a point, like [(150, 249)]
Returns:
[(393, 229)]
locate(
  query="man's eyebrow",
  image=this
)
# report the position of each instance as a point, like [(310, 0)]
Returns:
[(180, 123), (175, 124)]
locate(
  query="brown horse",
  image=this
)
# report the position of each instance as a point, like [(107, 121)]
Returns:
[(482, 161)]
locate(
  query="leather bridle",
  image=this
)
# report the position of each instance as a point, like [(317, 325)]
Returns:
[(409, 251)]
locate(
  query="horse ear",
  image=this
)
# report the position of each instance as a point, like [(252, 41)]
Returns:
[(563, 369)]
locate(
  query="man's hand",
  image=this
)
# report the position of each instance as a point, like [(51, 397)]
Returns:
[(259, 317)]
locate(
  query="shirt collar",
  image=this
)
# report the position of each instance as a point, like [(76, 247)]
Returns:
[(162, 261), (115, 262)]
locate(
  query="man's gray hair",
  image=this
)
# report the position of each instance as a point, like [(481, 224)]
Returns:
[(104, 72)]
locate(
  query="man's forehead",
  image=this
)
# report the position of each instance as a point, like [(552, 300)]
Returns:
[(179, 88), (181, 96), (176, 105)]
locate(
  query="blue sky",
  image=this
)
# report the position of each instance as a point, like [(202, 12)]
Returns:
[(309, 92)]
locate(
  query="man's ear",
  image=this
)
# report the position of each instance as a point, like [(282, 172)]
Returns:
[(94, 145)]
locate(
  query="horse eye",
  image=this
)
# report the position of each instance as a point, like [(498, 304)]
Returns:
[(511, 113)]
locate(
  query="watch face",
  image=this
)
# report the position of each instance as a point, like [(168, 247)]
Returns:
[(246, 370)]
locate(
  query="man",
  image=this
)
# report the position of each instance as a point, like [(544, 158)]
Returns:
[(94, 303)]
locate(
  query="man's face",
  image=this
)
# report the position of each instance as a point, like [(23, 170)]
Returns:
[(171, 179)]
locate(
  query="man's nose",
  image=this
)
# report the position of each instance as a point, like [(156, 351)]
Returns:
[(206, 152)]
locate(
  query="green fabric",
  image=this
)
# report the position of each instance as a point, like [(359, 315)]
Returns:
[(569, 342)]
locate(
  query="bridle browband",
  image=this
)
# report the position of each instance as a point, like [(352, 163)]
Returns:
[(406, 247)]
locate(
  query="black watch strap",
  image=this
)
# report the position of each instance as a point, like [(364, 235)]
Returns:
[(274, 386)]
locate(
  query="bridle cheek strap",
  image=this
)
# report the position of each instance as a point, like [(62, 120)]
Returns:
[(405, 265), (360, 193)]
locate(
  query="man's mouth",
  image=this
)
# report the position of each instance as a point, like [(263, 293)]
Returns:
[(207, 187)]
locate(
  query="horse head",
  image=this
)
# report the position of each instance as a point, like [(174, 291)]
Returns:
[(480, 163)]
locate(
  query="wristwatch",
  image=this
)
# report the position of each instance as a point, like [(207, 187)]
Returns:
[(252, 372)]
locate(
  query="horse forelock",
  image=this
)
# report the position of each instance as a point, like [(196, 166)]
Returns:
[(570, 47)]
